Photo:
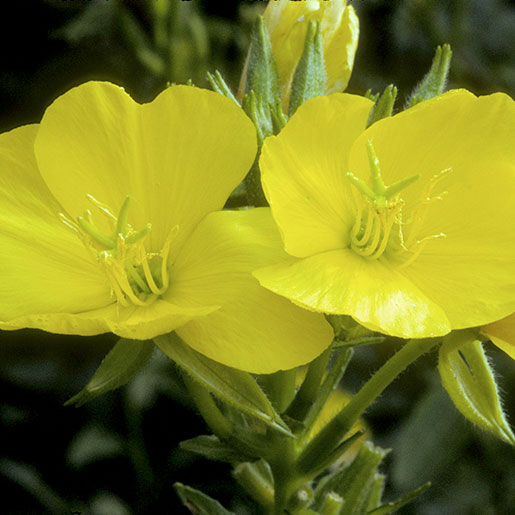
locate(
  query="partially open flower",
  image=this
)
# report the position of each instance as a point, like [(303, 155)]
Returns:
[(405, 226), (109, 221)]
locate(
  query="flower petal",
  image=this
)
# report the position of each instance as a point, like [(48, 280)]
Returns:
[(134, 322), (254, 330), (179, 156), (303, 173), (470, 272), (502, 334), (45, 267), (342, 282)]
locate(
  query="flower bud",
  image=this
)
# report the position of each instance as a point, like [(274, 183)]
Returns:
[(287, 23)]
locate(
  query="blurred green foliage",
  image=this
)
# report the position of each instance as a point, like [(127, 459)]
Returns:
[(119, 453)]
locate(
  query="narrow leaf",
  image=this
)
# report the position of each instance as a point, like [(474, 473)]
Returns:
[(393, 506), (122, 363), (470, 382), (212, 448), (239, 389), (198, 502)]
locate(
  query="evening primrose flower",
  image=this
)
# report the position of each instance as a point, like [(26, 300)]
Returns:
[(287, 23), (404, 226), (109, 221), (502, 334)]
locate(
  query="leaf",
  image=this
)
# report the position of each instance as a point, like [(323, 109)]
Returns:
[(198, 502), (393, 506), (235, 387), (470, 382), (122, 363), (212, 448)]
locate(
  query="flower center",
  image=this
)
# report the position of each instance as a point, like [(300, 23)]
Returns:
[(135, 275), (379, 226)]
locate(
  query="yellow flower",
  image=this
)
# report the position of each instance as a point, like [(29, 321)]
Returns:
[(109, 221), (502, 334), (287, 24), (405, 226)]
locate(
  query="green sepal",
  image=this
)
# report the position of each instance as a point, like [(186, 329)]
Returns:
[(262, 77), (383, 107), (220, 86), (355, 482), (371, 96), (279, 387), (331, 505), (213, 449), (393, 506), (310, 77), (198, 502), (435, 81), (235, 387), (259, 112), (470, 382), (121, 364), (257, 480)]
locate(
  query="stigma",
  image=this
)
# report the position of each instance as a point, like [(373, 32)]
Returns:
[(135, 276), (379, 226)]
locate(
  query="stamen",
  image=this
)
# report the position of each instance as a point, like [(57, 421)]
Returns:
[(123, 256)]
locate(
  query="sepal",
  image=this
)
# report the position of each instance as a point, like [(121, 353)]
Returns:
[(235, 387), (126, 359), (383, 106), (212, 448), (469, 380), (310, 75), (435, 81)]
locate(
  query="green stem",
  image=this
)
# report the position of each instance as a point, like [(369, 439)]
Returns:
[(309, 389), (280, 388), (210, 412), (335, 430)]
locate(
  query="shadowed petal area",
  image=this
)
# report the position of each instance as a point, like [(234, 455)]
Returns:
[(254, 329), (45, 267), (303, 173), (470, 272), (502, 334), (341, 282), (179, 156)]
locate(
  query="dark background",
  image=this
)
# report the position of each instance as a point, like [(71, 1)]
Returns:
[(95, 459)]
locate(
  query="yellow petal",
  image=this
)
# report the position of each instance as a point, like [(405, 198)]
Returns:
[(45, 267), (340, 50), (254, 329), (341, 282), (303, 173), (134, 322), (470, 272), (502, 333), (179, 156)]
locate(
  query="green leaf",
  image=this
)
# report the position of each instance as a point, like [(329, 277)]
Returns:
[(434, 83), (257, 480), (310, 76), (393, 506), (235, 387), (91, 444), (198, 502), (383, 107), (212, 448), (122, 363), (470, 382)]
